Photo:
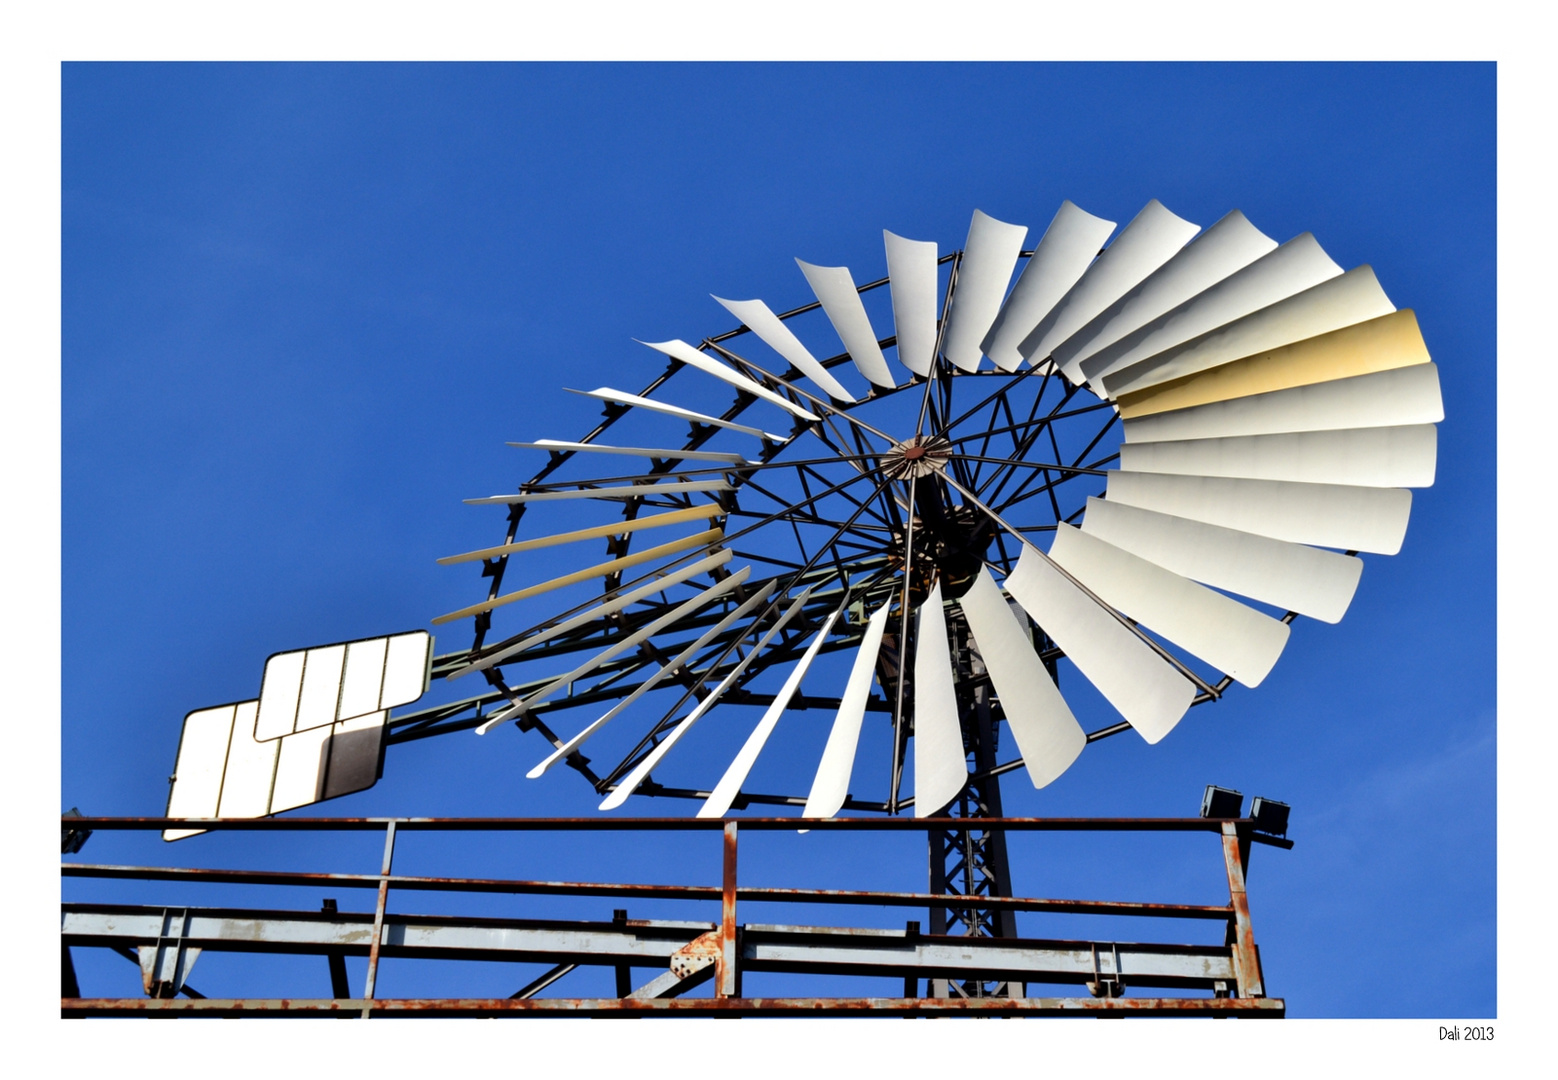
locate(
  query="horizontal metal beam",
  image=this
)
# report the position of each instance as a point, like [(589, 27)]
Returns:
[(1215, 912), (406, 1007), (651, 943), (647, 943)]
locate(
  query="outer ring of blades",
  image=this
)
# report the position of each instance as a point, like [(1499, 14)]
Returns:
[(1077, 549)]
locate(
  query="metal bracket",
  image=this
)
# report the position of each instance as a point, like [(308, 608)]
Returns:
[(165, 965), (1111, 985), (692, 964)]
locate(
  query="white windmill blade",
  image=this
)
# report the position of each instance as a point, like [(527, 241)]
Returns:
[(840, 300), (1297, 265), (1350, 298), (630, 491), (1048, 735), (1390, 341), (940, 762), (729, 786), (660, 674), (680, 350), (618, 397), (1226, 248), (760, 319), (597, 532), (1408, 395), (313, 688), (1144, 687), (1070, 244), (1325, 515), (600, 611), (688, 607), (605, 569), (989, 257), (830, 787), (629, 783), (911, 272), (1149, 241), (1291, 577), (1232, 637), (1363, 457), (633, 451)]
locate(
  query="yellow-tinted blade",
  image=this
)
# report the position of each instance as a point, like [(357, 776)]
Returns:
[(617, 528), (702, 539), (1391, 341)]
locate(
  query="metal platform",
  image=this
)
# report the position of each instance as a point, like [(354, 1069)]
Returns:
[(684, 955)]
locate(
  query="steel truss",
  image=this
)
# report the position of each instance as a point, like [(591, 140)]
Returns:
[(681, 955)]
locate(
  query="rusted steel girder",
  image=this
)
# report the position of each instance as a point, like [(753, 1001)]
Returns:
[(728, 1006)]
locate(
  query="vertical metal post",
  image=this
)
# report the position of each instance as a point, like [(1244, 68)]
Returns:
[(726, 975), (340, 987), (69, 987), (619, 917), (378, 919), (1246, 960)]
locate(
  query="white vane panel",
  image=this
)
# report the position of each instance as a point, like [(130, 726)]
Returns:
[(777, 336), (311, 688), (1228, 246), (1345, 300), (1297, 265), (1230, 636), (1146, 689), (1149, 241), (729, 786), (830, 787), (1068, 248), (1048, 736), (835, 291), (630, 782), (1325, 515), (986, 268), (223, 771), (1365, 457), (665, 670), (680, 350), (1290, 577), (911, 268), (940, 763)]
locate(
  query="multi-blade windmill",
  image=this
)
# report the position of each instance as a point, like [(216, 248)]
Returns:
[(1165, 422), (1181, 442)]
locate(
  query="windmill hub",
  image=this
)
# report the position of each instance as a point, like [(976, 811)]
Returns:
[(919, 457)]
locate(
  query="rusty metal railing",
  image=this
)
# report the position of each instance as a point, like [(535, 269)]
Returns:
[(721, 952)]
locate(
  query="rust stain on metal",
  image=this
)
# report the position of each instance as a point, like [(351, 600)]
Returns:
[(1246, 961), (725, 975), (696, 955)]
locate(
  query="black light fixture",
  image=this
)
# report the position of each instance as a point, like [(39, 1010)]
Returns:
[(1222, 803), (71, 840), (1270, 816)]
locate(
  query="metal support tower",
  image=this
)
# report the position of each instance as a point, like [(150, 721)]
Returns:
[(972, 862)]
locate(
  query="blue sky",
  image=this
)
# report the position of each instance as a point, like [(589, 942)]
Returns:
[(304, 306)]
